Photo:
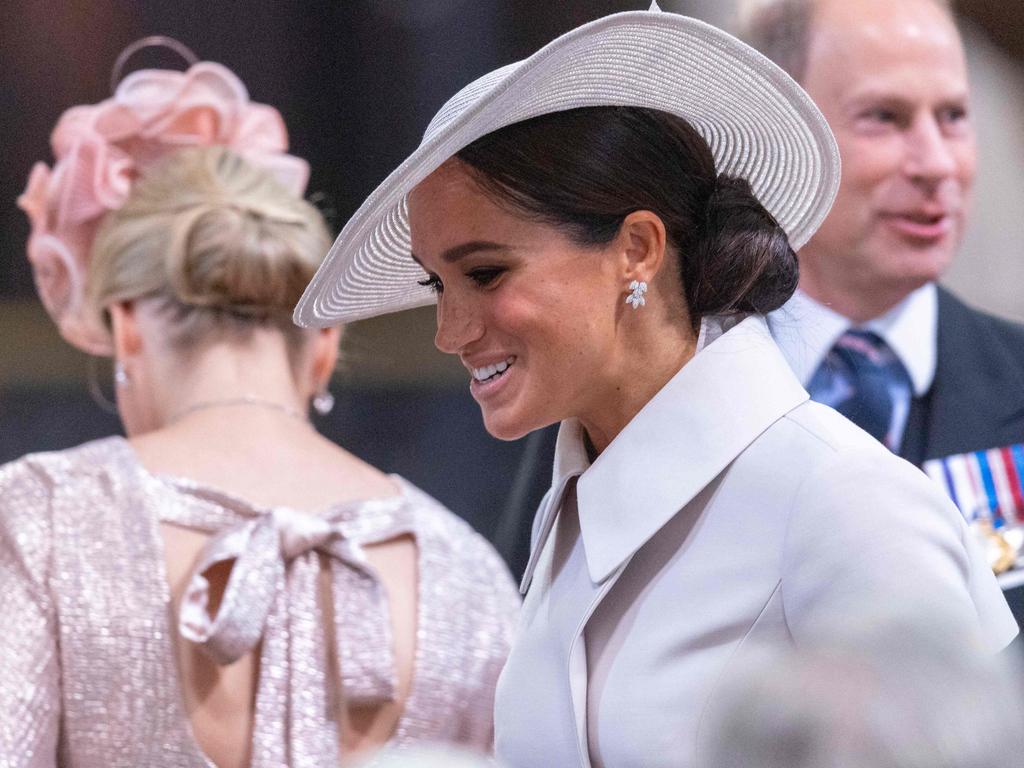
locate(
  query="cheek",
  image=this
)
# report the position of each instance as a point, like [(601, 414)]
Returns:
[(580, 341), (869, 165), (557, 332), (967, 164)]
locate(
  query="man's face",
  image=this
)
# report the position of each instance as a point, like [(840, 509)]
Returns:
[(890, 78)]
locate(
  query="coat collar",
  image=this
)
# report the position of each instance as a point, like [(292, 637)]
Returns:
[(703, 418)]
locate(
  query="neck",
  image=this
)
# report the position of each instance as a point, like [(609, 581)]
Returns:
[(224, 382), (860, 306), (634, 381), (239, 401)]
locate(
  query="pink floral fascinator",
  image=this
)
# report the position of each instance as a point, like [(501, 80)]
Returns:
[(100, 149)]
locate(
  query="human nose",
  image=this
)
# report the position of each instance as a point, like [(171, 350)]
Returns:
[(456, 325), (930, 157)]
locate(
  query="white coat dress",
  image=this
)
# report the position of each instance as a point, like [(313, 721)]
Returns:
[(730, 512)]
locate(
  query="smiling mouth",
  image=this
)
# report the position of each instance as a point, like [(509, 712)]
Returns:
[(492, 372), (920, 225), (921, 218)]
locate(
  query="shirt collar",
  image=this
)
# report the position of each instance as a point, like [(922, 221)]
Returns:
[(805, 331), (734, 388)]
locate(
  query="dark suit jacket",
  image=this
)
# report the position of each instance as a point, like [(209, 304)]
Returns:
[(977, 398), (975, 402)]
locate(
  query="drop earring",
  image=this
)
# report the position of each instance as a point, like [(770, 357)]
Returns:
[(323, 401), (636, 298), (121, 377)]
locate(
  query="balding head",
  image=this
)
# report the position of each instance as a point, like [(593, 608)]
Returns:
[(890, 78), (781, 29)]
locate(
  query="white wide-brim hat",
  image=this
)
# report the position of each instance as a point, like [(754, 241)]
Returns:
[(759, 123)]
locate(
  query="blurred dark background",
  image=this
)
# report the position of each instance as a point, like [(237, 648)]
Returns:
[(357, 81)]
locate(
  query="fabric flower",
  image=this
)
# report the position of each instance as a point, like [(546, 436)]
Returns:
[(100, 150)]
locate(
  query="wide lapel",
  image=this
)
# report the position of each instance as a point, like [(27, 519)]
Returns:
[(570, 461), (553, 537), (720, 401)]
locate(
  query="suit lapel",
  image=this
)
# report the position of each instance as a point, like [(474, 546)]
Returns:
[(915, 435)]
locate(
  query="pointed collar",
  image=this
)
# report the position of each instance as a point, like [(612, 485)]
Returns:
[(805, 331), (734, 388)]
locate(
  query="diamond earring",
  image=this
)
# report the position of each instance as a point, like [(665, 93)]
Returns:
[(323, 401), (636, 298), (121, 377)]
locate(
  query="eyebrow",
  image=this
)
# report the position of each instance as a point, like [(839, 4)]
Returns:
[(457, 252), (870, 97)]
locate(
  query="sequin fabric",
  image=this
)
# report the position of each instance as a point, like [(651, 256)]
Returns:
[(88, 672)]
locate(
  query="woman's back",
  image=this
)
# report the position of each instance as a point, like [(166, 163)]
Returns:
[(224, 584), (95, 551), (273, 460)]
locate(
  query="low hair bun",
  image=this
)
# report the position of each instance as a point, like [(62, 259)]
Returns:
[(238, 259), (743, 262), (214, 235)]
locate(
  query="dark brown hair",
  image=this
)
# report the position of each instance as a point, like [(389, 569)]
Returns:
[(585, 170)]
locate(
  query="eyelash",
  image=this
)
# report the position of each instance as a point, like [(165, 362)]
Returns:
[(433, 282), (482, 277)]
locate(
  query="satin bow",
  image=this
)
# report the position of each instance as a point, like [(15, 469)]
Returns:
[(272, 594)]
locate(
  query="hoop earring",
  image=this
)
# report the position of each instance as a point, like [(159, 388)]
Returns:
[(636, 298), (323, 401), (121, 377)]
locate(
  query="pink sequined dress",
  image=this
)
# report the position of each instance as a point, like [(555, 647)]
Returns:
[(88, 669)]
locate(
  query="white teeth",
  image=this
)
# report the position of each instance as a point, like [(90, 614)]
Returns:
[(482, 374)]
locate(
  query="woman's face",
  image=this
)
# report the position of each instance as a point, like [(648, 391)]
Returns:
[(532, 315)]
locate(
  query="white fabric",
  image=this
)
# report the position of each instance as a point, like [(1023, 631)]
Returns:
[(805, 331), (731, 511)]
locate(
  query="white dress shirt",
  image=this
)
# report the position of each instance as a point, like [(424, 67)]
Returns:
[(805, 331), (730, 511)]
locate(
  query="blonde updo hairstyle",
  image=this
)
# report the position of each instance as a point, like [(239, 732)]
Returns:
[(220, 243)]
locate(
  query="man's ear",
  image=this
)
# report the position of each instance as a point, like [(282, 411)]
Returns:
[(124, 328), (642, 241)]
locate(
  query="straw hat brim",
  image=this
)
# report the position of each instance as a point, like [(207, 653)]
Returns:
[(759, 124)]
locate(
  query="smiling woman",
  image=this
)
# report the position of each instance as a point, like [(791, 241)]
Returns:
[(609, 210), (603, 227)]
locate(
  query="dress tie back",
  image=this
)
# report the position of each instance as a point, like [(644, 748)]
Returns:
[(273, 583)]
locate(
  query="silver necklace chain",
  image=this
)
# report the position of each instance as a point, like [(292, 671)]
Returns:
[(231, 402)]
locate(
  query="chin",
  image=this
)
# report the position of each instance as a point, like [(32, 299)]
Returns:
[(920, 268), (508, 426)]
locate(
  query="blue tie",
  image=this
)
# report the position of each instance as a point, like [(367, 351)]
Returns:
[(863, 379)]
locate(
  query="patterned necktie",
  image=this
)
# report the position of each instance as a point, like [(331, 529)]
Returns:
[(863, 379)]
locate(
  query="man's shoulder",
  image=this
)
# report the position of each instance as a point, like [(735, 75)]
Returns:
[(975, 401), (959, 320)]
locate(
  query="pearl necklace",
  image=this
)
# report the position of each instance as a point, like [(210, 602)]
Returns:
[(231, 402)]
